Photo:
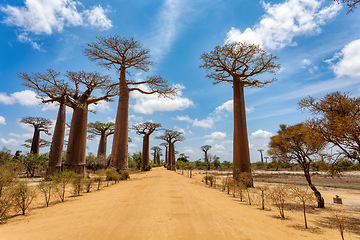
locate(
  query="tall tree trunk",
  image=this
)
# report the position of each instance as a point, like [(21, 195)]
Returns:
[(76, 150), (170, 153), (155, 157), (119, 152), (102, 145), (145, 153), (158, 159), (166, 155), (57, 143), (241, 153), (319, 198), (35, 144), (173, 165)]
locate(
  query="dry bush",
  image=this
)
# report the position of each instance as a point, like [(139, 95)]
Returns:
[(46, 187), (62, 180), (22, 195), (224, 183), (279, 196), (7, 177), (88, 182), (229, 184), (244, 180), (303, 197), (98, 180), (262, 191), (339, 221), (78, 184)]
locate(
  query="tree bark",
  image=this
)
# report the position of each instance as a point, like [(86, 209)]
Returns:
[(145, 152), (170, 152), (319, 198), (155, 157), (102, 145), (35, 144), (173, 165), (119, 153), (241, 154), (57, 143), (76, 150), (166, 155)]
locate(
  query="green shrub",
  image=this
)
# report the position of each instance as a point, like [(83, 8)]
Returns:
[(46, 187), (78, 184), (147, 167), (61, 181), (88, 182), (125, 175), (22, 195)]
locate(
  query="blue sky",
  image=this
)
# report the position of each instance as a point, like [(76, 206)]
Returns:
[(317, 43)]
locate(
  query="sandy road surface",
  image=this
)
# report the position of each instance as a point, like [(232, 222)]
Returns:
[(159, 204)]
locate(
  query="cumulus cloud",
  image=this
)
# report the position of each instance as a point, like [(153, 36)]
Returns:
[(348, 60), (2, 120), (102, 106), (204, 123), (24, 98), (46, 17), (148, 104), (10, 142), (260, 134), (217, 135), (229, 107), (219, 147), (184, 118), (284, 21)]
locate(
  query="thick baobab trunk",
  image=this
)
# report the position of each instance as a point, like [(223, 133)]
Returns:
[(155, 157), (119, 153), (57, 143), (102, 145), (207, 161), (35, 144), (145, 152), (173, 165), (158, 159), (170, 154), (319, 198), (241, 154), (76, 150), (166, 156)]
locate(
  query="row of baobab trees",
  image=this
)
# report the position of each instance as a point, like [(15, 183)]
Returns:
[(237, 63)]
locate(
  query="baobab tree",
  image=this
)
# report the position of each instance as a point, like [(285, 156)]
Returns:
[(145, 129), (261, 155), (76, 149), (124, 54), (239, 64), (42, 143), (171, 137), (103, 130), (51, 88), (156, 153), (166, 145), (205, 149), (40, 125)]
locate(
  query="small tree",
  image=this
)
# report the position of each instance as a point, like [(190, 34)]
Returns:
[(78, 184), (34, 162), (62, 180), (303, 197), (279, 196), (46, 187), (299, 143), (88, 182), (339, 221), (205, 149), (239, 64), (23, 195), (262, 189)]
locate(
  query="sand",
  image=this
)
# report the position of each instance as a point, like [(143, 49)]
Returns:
[(162, 204)]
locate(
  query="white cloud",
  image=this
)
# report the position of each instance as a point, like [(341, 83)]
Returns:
[(24, 98), (101, 106), (134, 119), (219, 147), (229, 107), (260, 134), (10, 142), (349, 63), (184, 118), (209, 141), (217, 135), (45, 17), (2, 120), (97, 17), (284, 21), (204, 123), (148, 104)]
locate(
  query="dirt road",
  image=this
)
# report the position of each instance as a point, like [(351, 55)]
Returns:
[(159, 204)]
